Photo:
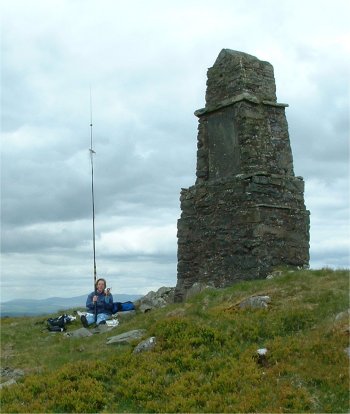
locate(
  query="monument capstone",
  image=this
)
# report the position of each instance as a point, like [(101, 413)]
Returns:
[(245, 215)]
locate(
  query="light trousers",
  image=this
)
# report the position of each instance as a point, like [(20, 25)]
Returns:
[(90, 317)]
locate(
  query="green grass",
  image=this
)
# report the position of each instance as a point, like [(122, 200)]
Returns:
[(205, 357)]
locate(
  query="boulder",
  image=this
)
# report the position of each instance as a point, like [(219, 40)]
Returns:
[(197, 288), (163, 297), (126, 337)]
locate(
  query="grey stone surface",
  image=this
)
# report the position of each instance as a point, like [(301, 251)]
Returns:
[(245, 215), (145, 345), (234, 73), (78, 333), (8, 383), (257, 302), (9, 376), (125, 314), (86, 332), (347, 351), (8, 372), (162, 297), (102, 328), (273, 275), (196, 288), (343, 315), (126, 337)]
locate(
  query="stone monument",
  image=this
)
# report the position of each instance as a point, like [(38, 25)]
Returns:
[(245, 216)]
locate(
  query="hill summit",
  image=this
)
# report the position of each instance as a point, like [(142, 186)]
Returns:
[(216, 352)]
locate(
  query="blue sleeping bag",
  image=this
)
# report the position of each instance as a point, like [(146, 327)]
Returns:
[(122, 307)]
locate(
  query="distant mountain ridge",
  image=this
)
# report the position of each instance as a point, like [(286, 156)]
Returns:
[(33, 307)]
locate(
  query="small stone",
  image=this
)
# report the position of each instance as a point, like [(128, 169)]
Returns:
[(145, 345), (258, 302), (8, 383), (78, 333), (262, 351), (341, 315)]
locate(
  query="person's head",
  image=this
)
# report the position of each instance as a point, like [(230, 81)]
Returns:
[(100, 285)]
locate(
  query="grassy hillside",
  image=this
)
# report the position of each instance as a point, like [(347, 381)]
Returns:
[(205, 357)]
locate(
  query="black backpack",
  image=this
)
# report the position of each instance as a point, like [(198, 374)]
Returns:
[(57, 324)]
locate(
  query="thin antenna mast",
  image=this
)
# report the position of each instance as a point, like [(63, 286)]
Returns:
[(92, 152)]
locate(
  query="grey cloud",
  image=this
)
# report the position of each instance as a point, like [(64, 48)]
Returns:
[(147, 71), (44, 238), (336, 258)]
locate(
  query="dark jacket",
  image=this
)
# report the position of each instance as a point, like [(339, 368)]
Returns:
[(104, 303)]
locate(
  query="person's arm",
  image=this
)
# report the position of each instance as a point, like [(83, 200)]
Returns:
[(89, 302), (109, 302)]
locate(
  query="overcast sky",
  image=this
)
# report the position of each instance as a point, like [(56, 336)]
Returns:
[(146, 64)]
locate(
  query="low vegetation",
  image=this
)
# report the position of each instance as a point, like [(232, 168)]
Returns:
[(205, 359)]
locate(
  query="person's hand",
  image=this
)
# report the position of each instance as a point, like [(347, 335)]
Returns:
[(94, 299)]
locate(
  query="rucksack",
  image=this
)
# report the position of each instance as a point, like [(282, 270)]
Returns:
[(122, 307), (58, 324)]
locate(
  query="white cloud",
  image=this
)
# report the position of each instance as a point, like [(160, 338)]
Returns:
[(140, 240), (330, 233), (146, 63)]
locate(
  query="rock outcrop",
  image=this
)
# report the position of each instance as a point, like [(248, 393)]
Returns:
[(162, 297)]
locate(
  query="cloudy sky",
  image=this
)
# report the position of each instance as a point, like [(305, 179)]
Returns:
[(146, 64)]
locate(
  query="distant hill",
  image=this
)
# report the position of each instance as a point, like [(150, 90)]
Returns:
[(33, 307)]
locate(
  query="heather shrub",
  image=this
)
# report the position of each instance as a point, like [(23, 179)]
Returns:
[(205, 360)]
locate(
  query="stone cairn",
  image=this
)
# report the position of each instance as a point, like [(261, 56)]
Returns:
[(245, 216)]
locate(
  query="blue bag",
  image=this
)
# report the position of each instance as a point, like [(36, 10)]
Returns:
[(122, 307)]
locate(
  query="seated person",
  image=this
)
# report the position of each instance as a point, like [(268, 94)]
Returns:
[(99, 301)]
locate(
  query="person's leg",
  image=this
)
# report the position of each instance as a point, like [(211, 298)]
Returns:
[(101, 318), (87, 319), (90, 318)]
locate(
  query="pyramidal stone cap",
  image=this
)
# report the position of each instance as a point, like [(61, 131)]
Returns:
[(235, 73)]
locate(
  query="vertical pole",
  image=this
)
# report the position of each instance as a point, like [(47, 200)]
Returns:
[(92, 152)]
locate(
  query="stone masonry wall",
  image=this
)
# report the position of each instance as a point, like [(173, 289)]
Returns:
[(245, 215)]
